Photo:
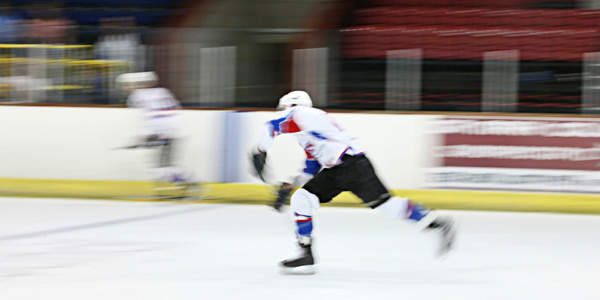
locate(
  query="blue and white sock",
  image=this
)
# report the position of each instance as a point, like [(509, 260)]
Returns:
[(415, 211), (304, 225)]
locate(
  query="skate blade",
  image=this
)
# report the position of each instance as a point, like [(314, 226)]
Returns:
[(447, 247), (444, 251), (302, 270)]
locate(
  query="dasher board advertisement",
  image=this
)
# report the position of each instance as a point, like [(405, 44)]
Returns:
[(534, 154)]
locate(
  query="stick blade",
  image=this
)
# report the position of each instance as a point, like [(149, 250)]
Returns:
[(302, 270)]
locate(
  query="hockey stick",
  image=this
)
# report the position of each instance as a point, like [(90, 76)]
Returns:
[(144, 145), (134, 146)]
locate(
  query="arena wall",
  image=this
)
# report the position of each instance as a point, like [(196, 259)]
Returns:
[(74, 152)]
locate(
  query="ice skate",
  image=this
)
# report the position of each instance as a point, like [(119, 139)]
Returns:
[(301, 265), (446, 229)]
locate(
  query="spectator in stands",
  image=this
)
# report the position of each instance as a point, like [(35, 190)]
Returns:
[(119, 40), (49, 26), (11, 25)]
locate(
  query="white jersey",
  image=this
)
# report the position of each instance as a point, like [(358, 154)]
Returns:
[(316, 132), (160, 111)]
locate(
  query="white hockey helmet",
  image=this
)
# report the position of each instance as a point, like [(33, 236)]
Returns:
[(138, 79), (149, 77), (295, 98)]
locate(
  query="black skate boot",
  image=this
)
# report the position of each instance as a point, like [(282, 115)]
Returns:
[(304, 263), (447, 231)]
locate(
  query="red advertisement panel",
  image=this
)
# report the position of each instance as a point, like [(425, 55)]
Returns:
[(572, 144)]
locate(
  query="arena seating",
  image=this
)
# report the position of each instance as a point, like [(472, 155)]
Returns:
[(472, 3), (459, 33), (454, 35), (90, 12)]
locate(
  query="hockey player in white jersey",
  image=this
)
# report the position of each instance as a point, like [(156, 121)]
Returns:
[(161, 127), (345, 168)]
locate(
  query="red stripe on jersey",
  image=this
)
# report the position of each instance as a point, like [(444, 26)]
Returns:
[(289, 126), (308, 155)]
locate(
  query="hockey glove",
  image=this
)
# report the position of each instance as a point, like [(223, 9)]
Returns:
[(258, 163), (282, 197)]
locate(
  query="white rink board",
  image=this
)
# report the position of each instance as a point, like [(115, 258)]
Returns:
[(75, 143), (78, 143), (56, 249), (515, 179)]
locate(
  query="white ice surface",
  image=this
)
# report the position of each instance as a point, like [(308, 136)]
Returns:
[(85, 249)]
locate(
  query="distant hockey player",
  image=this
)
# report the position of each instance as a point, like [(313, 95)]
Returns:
[(161, 126), (345, 168)]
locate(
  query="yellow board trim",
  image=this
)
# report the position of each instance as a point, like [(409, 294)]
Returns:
[(261, 194), (45, 46)]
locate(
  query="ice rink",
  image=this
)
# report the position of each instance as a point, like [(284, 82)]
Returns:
[(88, 249)]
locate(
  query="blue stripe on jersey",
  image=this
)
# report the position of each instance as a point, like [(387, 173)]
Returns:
[(312, 166), (277, 122), (317, 135)]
